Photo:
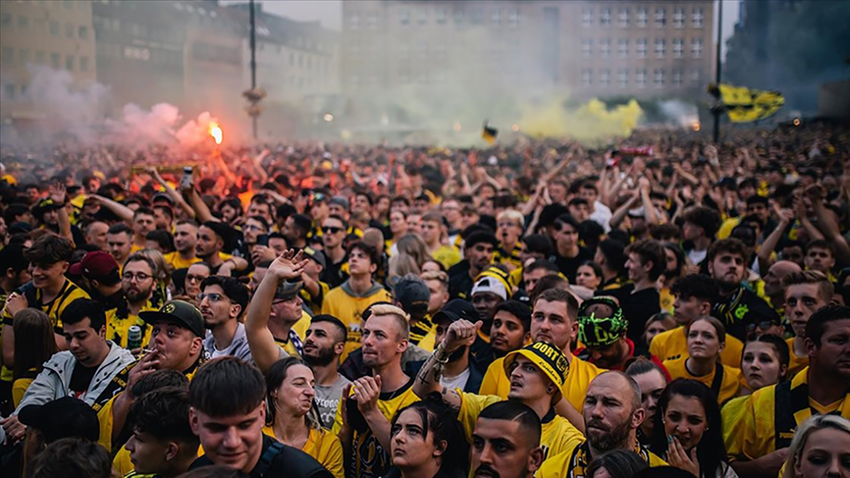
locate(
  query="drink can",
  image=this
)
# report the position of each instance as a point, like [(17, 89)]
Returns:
[(134, 337)]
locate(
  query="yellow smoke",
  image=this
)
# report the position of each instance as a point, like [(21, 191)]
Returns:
[(590, 123)]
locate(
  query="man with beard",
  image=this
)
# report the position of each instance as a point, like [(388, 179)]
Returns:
[(602, 330), (612, 413), (371, 401), (695, 294), (84, 371), (478, 251), (506, 442), (536, 372), (222, 301), (185, 241), (738, 307), (144, 221), (295, 230), (773, 288), (211, 240), (511, 327), (138, 282), (323, 345), (459, 372)]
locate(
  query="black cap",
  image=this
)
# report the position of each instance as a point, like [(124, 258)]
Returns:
[(317, 256), (62, 418), (178, 312), (455, 310), (413, 295), (44, 206), (288, 290)]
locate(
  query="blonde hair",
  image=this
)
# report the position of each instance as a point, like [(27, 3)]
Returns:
[(513, 215), (402, 318), (439, 276), (400, 265), (801, 436)]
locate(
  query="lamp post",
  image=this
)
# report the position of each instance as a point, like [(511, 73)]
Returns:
[(717, 68)]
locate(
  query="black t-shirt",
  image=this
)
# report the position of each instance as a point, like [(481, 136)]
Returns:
[(568, 266), (638, 307), (332, 274), (81, 379), (460, 284), (741, 309), (289, 462)]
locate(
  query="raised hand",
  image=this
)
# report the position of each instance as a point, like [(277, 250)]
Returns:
[(288, 266), (57, 192), (461, 332)]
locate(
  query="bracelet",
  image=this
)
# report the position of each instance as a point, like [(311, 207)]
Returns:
[(441, 352)]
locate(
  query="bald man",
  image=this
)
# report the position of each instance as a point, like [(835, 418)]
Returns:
[(773, 288)]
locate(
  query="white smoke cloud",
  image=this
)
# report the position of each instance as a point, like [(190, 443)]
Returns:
[(679, 112)]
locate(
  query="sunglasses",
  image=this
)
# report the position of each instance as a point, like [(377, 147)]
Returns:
[(331, 229), (212, 296)]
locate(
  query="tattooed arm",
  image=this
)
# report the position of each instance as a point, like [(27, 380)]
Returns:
[(460, 333)]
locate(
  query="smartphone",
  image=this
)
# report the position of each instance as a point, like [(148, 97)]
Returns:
[(186, 182), (263, 240)]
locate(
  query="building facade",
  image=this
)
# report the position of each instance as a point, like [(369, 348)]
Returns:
[(57, 34)]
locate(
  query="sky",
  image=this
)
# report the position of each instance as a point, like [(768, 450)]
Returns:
[(329, 13)]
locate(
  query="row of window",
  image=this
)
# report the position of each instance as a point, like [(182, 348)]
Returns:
[(25, 57), (624, 44), (302, 60), (40, 25), (641, 17), (659, 77), (422, 16)]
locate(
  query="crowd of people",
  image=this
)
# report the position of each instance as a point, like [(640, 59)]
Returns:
[(658, 307)]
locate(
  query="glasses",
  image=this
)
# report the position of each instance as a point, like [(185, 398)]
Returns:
[(140, 277), (252, 227), (331, 230), (212, 296), (194, 278)]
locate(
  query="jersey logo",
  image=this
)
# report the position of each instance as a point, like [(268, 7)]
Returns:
[(741, 311)]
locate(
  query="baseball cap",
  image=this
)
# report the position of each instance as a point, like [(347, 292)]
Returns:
[(491, 285), (44, 206), (596, 331), (62, 418), (340, 201), (413, 295), (455, 310), (548, 358), (317, 256), (178, 312), (162, 196), (288, 290), (95, 265)]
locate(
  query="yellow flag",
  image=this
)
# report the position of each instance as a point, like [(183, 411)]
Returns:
[(745, 105)]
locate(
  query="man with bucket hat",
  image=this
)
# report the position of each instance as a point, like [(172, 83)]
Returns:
[(537, 372)]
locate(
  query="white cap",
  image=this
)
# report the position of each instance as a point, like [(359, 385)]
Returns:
[(491, 285)]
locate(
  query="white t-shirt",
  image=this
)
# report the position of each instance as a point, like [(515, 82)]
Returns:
[(696, 256), (452, 383)]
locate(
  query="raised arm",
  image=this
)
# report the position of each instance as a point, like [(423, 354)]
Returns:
[(172, 193), (770, 242), (460, 333), (120, 210), (202, 212), (264, 350)]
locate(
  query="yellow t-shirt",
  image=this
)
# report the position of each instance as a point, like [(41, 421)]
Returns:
[(726, 228), (667, 300), (118, 328), (579, 375), (673, 344), (315, 303), (349, 310), (729, 386), (370, 459), (447, 256), (19, 389), (795, 362), (557, 433), (757, 428), (175, 261), (572, 462), (732, 415), (429, 341), (324, 447)]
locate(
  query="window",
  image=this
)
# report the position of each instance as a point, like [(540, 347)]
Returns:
[(695, 75), (54, 29), (696, 47), (586, 17), (697, 17), (458, 16), (8, 56), (354, 20), (624, 18), (586, 77), (496, 17), (23, 22), (513, 17), (677, 77), (39, 57), (6, 19), (10, 91), (69, 62), (641, 17), (678, 48), (660, 47), (23, 57), (659, 78), (678, 17), (640, 47), (605, 16), (54, 60), (586, 47), (622, 77), (83, 33), (605, 77), (605, 48), (441, 16), (640, 77), (404, 17), (660, 17), (623, 47), (69, 30)]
